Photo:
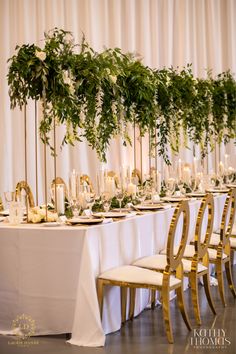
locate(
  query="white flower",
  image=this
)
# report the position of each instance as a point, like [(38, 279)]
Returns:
[(113, 78), (40, 55)]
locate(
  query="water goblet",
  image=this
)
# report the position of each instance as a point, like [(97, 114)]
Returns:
[(170, 184), (106, 201), (90, 200), (119, 196)]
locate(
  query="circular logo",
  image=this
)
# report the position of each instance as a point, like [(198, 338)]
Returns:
[(23, 326)]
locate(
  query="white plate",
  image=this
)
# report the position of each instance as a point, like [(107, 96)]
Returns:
[(110, 214), (149, 207), (51, 224), (4, 212), (87, 221), (218, 190), (174, 199)]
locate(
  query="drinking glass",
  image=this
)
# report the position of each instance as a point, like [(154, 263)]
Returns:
[(90, 200), (106, 201), (119, 196), (170, 185), (9, 197), (141, 194)]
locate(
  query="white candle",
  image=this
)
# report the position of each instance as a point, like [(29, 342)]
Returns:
[(195, 163), (221, 168), (60, 199), (166, 172), (131, 189), (186, 174), (179, 169), (226, 161), (110, 186), (73, 184), (158, 182)]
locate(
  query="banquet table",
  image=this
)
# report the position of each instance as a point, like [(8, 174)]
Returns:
[(50, 273)]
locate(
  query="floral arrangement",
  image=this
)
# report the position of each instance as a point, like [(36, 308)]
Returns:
[(97, 96), (37, 215)]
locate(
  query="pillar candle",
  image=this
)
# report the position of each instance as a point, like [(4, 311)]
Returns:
[(60, 199)]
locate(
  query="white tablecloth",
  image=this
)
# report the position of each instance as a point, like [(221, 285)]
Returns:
[(50, 273)]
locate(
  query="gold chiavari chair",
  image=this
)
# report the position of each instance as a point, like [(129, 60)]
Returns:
[(219, 247), (133, 277), (195, 257), (22, 185), (1, 204)]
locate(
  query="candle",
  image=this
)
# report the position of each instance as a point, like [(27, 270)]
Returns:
[(131, 189), (221, 168), (60, 199), (110, 186), (166, 172), (195, 163), (73, 184), (158, 182), (226, 161), (179, 169), (186, 175)]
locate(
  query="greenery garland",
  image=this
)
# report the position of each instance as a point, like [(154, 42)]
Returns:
[(98, 95)]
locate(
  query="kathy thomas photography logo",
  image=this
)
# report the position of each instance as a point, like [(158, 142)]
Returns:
[(23, 326), (212, 338)]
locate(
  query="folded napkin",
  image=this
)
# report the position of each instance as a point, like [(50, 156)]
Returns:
[(107, 221)]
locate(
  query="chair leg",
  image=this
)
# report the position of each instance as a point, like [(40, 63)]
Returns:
[(219, 274), (132, 292), (166, 315), (195, 299), (153, 299), (206, 282), (181, 304), (123, 297), (100, 295), (229, 278)]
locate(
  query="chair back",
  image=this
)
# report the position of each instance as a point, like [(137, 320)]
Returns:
[(173, 261), (202, 246), (228, 217), (22, 185)]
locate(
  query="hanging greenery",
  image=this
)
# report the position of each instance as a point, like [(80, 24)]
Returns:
[(98, 95)]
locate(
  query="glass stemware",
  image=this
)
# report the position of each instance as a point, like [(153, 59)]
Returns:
[(170, 185), (119, 196), (141, 194), (106, 201), (9, 197), (90, 200)]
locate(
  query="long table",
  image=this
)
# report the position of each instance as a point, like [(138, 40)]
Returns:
[(50, 273)]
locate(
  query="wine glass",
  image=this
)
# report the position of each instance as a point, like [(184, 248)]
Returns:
[(106, 201), (119, 196), (170, 185), (141, 194), (90, 200), (9, 197)]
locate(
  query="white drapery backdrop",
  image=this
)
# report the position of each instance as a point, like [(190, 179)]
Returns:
[(163, 32)]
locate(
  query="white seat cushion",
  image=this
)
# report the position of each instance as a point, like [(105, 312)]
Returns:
[(233, 242), (187, 266), (158, 261), (188, 252), (213, 254), (234, 230), (132, 274), (215, 239)]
